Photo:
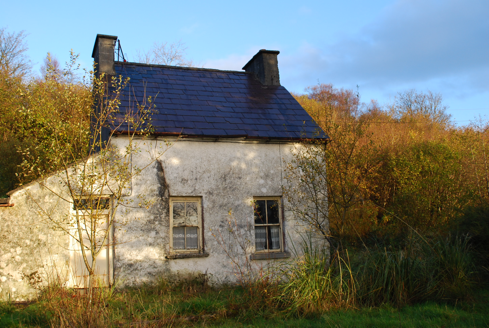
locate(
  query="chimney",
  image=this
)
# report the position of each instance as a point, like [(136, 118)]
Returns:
[(265, 67), (103, 54)]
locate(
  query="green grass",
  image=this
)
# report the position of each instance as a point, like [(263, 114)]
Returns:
[(230, 307), (473, 313)]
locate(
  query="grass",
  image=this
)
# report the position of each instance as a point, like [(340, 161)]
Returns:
[(437, 269), (427, 283), (224, 308), (473, 313)]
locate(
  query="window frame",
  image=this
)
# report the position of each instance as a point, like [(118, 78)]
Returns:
[(200, 247), (280, 224)]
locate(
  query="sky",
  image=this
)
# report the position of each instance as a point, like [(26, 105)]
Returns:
[(381, 46)]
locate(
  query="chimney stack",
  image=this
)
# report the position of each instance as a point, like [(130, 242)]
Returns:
[(103, 54), (265, 67)]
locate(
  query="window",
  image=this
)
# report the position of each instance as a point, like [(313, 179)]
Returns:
[(92, 204), (268, 224), (186, 224)]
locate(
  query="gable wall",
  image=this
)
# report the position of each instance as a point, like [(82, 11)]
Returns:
[(32, 254)]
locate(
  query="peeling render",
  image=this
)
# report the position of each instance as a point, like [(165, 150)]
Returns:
[(226, 175), (32, 254)]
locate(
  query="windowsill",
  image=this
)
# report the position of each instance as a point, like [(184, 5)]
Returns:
[(269, 256), (175, 256)]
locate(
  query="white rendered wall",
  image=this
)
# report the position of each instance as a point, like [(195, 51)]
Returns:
[(227, 175)]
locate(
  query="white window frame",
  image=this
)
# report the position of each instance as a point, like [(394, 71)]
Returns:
[(199, 226), (280, 224)]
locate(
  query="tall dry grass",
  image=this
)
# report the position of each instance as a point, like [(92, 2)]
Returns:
[(440, 269)]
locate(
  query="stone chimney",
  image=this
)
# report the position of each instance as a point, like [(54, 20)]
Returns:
[(103, 54), (265, 67)]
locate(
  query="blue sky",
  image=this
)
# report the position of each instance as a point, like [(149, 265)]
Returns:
[(383, 46)]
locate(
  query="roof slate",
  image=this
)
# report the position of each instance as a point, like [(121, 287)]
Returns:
[(213, 103)]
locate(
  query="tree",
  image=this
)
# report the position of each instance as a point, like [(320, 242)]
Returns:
[(84, 168), (52, 122), (479, 139), (51, 68), (165, 54), (14, 68), (13, 58), (418, 106), (429, 184), (333, 178)]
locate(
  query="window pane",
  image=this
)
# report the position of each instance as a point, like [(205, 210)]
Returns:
[(192, 214), (178, 214), (91, 204), (104, 203), (274, 237), (192, 237), (260, 215), (179, 238), (272, 206), (80, 204), (260, 238)]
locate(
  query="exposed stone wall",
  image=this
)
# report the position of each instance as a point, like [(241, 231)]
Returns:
[(32, 254)]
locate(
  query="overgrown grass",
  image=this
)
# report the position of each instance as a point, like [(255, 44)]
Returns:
[(428, 314), (377, 288), (440, 269), (143, 307)]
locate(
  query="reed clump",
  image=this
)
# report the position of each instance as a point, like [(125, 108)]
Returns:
[(440, 269)]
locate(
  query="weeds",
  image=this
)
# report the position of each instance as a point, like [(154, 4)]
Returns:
[(315, 284), (440, 270)]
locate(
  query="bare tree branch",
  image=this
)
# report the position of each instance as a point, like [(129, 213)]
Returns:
[(13, 58), (163, 53)]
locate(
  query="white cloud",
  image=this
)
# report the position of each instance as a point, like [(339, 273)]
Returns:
[(412, 42)]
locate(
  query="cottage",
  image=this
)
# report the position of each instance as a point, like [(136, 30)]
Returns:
[(213, 194)]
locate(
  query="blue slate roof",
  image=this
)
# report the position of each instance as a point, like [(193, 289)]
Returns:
[(197, 102)]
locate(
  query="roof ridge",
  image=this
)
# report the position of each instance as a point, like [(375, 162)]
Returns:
[(181, 67)]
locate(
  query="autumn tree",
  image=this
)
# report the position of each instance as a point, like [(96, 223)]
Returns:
[(14, 69), (387, 171), (51, 68), (422, 181), (336, 174), (36, 113), (478, 140)]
